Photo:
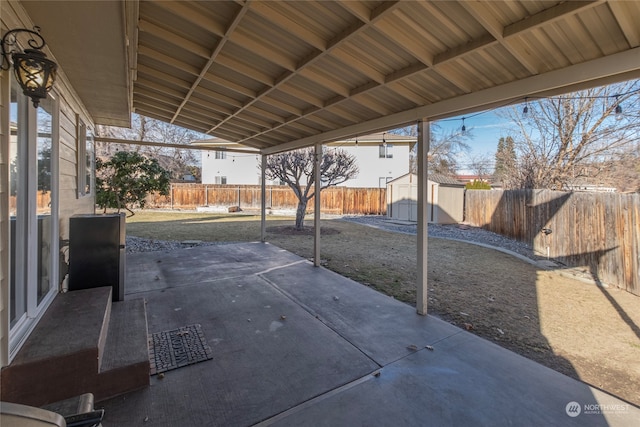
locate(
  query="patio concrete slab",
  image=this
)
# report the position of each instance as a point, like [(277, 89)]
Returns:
[(380, 326), (149, 271), (463, 381), (299, 345), (269, 353)]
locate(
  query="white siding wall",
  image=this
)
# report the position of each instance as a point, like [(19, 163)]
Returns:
[(242, 169), (239, 169), (376, 171)]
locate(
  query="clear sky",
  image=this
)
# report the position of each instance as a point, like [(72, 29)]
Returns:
[(485, 130)]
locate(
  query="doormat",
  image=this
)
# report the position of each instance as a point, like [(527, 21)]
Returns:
[(177, 348)]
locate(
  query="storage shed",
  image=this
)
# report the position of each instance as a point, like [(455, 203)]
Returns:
[(445, 199)]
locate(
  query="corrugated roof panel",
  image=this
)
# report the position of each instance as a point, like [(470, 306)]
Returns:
[(604, 30), (288, 95), (249, 63), (449, 31), (495, 64), (387, 97), (283, 70), (372, 47), (546, 53), (344, 74), (433, 86)]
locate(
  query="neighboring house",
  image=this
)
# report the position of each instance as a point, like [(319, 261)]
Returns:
[(380, 158), (445, 199), (227, 166)]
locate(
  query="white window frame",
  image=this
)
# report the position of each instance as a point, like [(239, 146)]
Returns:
[(27, 276), (384, 151), (85, 159)]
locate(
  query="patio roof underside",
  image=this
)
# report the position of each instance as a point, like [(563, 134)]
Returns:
[(281, 75)]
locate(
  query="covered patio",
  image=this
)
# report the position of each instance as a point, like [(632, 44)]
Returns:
[(293, 344)]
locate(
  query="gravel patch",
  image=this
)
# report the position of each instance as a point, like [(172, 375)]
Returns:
[(463, 232), (138, 244)]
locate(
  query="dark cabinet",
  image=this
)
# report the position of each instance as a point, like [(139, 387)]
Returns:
[(97, 252)]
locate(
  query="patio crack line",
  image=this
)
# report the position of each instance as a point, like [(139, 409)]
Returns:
[(317, 317), (423, 348), (217, 279), (278, 267), (314, 400)]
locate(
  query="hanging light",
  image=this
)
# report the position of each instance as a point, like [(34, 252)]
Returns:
[(525, 110), (33, 71), (384, 141), (618, 109), (464, 128)]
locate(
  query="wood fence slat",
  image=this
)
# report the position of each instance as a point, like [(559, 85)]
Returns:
[(597, 230), (334, 200)]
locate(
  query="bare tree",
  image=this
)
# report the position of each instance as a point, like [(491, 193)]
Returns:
[(560, 138), (444, 148), (622, 171), (481, 166), (296, 169), (177, 161)]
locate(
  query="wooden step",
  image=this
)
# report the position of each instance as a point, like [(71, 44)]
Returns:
[(72, 351), (125, 362)]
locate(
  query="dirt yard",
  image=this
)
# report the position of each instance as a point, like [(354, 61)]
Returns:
[(589, 333), (586, 332)]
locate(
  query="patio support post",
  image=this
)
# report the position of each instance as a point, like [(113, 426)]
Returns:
[(316, 204), (263, 199), (424, 135)]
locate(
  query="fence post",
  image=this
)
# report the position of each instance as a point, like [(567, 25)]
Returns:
[(206, 195), (171, 195)]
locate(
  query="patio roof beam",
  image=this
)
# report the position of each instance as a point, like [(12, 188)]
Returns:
[(605, 70), (332, 48), (214, 55), (167, 145)]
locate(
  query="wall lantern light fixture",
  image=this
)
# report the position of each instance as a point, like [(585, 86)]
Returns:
[(33, 71)]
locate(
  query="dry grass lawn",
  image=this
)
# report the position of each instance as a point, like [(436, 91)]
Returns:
[(586, 332)]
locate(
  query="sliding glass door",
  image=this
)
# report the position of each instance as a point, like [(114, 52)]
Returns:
[(33, 162)]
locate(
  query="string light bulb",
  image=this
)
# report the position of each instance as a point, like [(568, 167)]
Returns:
[(525, 110), (618, 110), (464, 128), (384, 141)]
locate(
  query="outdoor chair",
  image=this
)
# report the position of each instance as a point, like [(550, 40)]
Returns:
[(81, 414)]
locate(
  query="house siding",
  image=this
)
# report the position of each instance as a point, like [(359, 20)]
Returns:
[(12, 15), (374, 172)]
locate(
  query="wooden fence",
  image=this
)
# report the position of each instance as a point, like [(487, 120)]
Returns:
[(600, 231), (333, 200)]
